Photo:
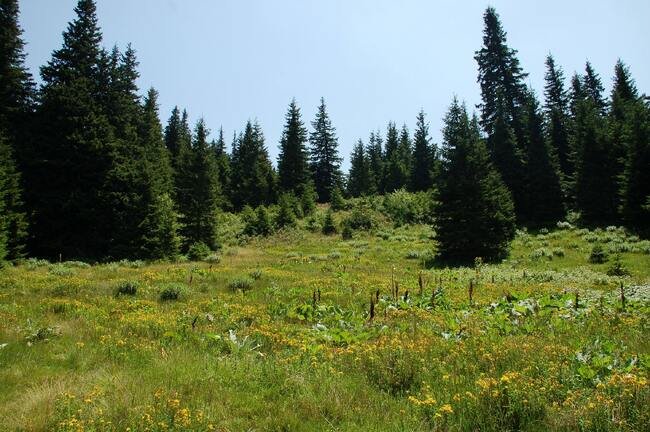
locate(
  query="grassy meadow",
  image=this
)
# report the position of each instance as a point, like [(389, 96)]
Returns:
[(276, 334)]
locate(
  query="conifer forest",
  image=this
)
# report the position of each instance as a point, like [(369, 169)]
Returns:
[(158, 274)]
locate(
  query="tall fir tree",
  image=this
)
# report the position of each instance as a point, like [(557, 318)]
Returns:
[(159, 230), (200, 183), (293, 163), (73, 151), (391, 170), (253, 177), (324, 157), (475, 217), (556, 111), (224, 170), (593, 88), (16, 106), (375, 156), (359, 176), (545, 199), (423, 169)]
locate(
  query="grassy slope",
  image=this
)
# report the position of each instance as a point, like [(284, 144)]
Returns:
[(106, 363)]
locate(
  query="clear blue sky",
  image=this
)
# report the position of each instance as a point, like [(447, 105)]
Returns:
[(372, 60)]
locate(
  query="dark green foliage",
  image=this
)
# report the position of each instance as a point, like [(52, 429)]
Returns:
[(13, 222), (475, 216), (223, 169), (545, 203), (329, 227), (593, 88), (338, 202), (595, 184), (126, 288), (171, 292), (200, 192), (324, 155), (424, 169), (198, 251), (347, 233), (286, 216), (397, 159), (556, 110), (253, 176), (618, 268), (504, 97), (598, 255), (360, 218), (359, 178), (293, 167), (73, 152), (308, 199), (408, 208), (258, 222), (375, 156), (636, 175)]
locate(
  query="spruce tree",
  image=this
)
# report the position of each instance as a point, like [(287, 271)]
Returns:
[(323, 155), (475, 217), (159, 236), (398, 159), (504, 96), (293, 163), (201, 184), (253, 176), (375, 156), (556, 110), (545, 201), (16, 105), (422, 171), (593, 88), (223, 168), (359, 176), (73, 151)]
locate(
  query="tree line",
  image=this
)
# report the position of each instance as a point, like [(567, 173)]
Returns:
[(88, 171)]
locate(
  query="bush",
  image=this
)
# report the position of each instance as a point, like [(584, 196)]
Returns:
[(241, 284), (286, 214), (213, 259), (618, 268), (360, 218), (328, 224), (258, 223), (308, 200), (256, 274), (408, 208), (198, 251), (171, 292), (347, 233), (598, 255), (338, 203), (129, 288)]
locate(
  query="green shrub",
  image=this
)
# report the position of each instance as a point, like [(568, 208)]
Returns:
[(408, 208), (338, 203), (286, 216), (328, 224), (598, 255), (171, 292), (198, 251), (618, 268), (241, 284), (308, 200), (259, 224), (347, 232), (360, 218), (213, 259), (129, 288), (256, 274)]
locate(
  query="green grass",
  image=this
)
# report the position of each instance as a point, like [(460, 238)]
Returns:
[(248, 345)]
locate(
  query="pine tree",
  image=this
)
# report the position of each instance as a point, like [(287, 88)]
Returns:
[(13, 224), (224, 170), (359, 176), (16, 104), (504, 97), (286, 216), (398, 158), (595, 188), (375, 156), (253, 176), (545, 201), (423, 170), (159, 237), (556, 110), (293, 164), (201, 184), (475, 217), (323, 154), (73, 151), (593, 88)]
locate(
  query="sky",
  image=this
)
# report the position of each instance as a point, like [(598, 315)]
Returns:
[(373, 61)]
